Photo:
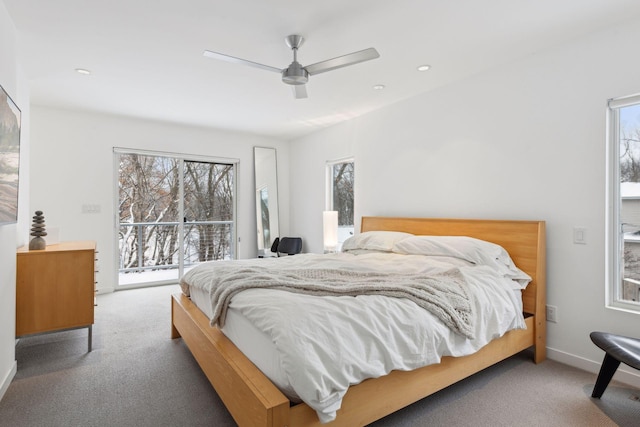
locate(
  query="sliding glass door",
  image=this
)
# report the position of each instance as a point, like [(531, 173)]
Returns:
[(173, 213)]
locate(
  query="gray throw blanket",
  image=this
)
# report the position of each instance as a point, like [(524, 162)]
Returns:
[(443, 295)]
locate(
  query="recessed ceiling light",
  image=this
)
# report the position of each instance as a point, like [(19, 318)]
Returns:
[(378, 87), (83, 71), (424, 67)]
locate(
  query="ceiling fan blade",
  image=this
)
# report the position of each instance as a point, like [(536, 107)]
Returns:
[(229, 58), (299, 91), (342, 61)]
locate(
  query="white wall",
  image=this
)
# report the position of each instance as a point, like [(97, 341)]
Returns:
[(524, 141), (72, 165), (13, 81)]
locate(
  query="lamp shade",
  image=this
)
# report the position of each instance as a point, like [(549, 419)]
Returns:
[(330, 230)]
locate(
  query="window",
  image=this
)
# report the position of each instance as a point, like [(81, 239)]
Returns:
[(173, 213), (623, 215), (340, 180)]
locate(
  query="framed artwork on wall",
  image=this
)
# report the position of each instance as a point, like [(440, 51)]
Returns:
[(9, 158)]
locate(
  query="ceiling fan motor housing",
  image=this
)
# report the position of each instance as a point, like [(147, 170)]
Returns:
[(295, 74)]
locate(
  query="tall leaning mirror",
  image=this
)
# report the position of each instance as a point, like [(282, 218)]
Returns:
[(266, 173)]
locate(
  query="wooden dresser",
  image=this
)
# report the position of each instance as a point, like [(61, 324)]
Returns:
[(55, 288)]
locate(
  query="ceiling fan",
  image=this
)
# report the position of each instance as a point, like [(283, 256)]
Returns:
[(295, 74)]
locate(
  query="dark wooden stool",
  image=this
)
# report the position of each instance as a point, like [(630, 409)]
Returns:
[(617, 349)]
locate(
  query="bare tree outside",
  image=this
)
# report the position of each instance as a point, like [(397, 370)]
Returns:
[(343, 179), (158, 195), (342, 176), (630, 155), (208, 197)]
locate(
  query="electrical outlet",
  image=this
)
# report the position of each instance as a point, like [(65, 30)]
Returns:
[(552, 313)]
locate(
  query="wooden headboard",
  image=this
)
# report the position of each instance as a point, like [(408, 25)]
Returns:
[(524, 240)]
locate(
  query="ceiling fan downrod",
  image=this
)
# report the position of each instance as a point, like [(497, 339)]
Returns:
[(295, 74)]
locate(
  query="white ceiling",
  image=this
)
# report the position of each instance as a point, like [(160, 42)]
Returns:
[(146, 55)]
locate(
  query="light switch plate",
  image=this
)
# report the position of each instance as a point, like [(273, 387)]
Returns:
[(580, 235)]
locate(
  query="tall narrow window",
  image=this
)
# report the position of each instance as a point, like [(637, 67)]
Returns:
[(173, 213), (340, 195), (624, 197)]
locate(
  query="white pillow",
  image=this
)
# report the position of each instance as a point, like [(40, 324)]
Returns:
[(479, 252), (374, 240)]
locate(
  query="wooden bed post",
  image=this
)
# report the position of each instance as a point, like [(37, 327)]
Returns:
[(174, 331), (540, 351)]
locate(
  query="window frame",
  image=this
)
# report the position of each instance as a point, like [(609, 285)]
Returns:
[(614, 247)]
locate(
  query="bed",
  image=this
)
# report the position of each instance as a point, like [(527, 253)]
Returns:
[(254, 400)]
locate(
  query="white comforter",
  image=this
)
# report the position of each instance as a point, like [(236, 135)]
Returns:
[(328, 343)]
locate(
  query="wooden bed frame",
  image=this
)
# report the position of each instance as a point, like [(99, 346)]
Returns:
[(253, 400)]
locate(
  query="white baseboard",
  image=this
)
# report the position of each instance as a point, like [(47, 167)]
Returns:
[(624, 374), (8, 378)]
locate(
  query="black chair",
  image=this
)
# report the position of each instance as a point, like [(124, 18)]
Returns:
[(617, 349), (274, 245), (288, 245)]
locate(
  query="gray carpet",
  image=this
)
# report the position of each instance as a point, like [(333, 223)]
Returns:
[(137, 376), (621, 404)]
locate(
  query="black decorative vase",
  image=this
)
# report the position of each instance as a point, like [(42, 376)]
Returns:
[(37, 230)]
